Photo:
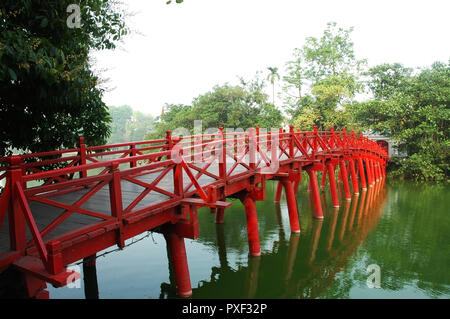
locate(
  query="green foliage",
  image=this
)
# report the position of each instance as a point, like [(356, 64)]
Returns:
[(307, 119), (420, 167), (293, 85), (386, 79), (48, 94), (241, 106), (327, 70), (415, 111), (321, 83), (330, 55), (128, 125)]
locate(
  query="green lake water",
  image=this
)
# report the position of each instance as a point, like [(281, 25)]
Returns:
[(400, 228)]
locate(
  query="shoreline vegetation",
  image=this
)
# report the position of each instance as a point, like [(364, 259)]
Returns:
[(47, 85)]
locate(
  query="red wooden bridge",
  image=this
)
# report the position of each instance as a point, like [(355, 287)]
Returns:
[(61, 206)]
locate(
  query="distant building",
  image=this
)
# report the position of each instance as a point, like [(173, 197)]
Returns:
[(387, 143)]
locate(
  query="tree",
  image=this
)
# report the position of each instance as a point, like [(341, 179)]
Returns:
[(386, 79), (128, 125), (48, 93), (139, 126), (272, 77), (329, 71), (120, 117), (331, 55), (293, 84), (416, 114), (240, 106)]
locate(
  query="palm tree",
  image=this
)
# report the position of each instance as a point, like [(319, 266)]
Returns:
[(272, 76)]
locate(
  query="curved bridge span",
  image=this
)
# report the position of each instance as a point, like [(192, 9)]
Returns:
[(61, 206)]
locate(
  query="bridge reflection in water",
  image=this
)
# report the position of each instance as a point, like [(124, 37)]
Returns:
[(300, 266), (292, 265)]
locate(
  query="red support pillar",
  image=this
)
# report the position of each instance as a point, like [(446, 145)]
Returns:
[(344, 176), (219, 215), (374, 175), (316, 192), (380, 175), (332, 180), (375, 166), (179, 262), (355, 184), (381, 170), (292, 205), (252, 224), (369, 172), (361, 173), (278, 192), (372, 167)]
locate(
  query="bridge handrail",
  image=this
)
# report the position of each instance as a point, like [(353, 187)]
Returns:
[(330, 139)]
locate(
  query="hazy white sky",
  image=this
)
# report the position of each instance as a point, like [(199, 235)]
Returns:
[(185, 49)]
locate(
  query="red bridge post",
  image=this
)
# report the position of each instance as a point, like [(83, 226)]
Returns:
[(362, 175), (115, 195), (354, 179), (332, 181), (17, 227), (178, 259), (375, 168), (316, 192), (378, 170), (372, 166), (252, 223), (278, 192), (344, 177), (292, 205), (372, 171), (369, 172)]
